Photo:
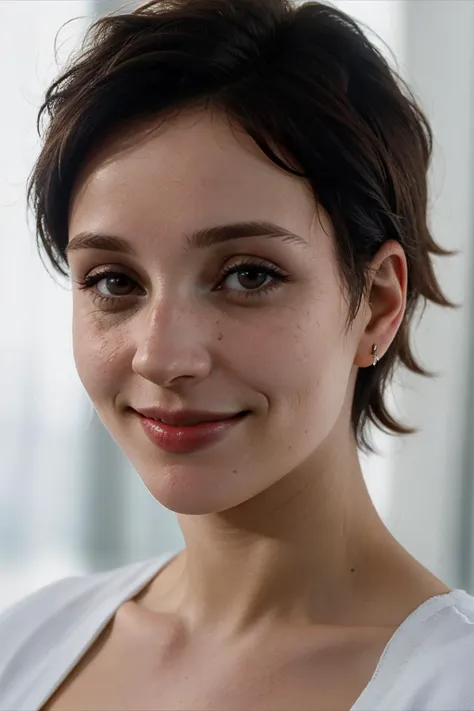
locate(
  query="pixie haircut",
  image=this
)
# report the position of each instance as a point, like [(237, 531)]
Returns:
[(301, 78)]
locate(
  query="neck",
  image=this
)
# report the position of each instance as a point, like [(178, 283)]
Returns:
[(310, 549)]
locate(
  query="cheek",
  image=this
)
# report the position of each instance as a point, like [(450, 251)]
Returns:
[(97, 356), (302, 368), (281, 354)]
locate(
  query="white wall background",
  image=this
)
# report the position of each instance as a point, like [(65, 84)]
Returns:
[(69, 501)]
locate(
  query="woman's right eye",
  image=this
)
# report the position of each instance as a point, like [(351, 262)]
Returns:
[(89, 282)]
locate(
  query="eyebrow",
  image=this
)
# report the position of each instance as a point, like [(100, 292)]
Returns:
[(200, 239)]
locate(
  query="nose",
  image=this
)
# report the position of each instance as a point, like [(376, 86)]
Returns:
[(171, 345)]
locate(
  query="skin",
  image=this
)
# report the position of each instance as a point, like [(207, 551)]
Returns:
[(279, 527)]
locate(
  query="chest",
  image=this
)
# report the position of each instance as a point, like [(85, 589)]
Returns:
[(122, 673)]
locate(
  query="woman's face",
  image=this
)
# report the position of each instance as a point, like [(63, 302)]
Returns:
[(177, 332)]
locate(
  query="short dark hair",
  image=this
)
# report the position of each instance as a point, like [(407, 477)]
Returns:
[(300, 77)]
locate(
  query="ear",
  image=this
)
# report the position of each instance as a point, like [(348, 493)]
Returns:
[(385, 305)]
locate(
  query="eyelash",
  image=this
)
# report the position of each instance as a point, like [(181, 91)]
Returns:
[(90, 281)]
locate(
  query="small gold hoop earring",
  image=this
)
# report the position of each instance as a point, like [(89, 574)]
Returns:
[(374, 355)]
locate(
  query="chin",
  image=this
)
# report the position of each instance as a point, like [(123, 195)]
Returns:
[(190, 503), (196, 491)]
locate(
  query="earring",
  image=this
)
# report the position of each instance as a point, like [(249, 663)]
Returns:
[(374, 354)]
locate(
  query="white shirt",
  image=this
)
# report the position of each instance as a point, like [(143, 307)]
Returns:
[(428, 664)]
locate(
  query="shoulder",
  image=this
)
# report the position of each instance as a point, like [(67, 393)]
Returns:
[(450, 630), (34, 627), (437, 671), (30, 629), (25, 618), (453, 644)]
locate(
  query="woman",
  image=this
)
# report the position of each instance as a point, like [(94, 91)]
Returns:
[(237, 190)]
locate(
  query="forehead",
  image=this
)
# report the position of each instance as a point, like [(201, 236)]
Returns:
[(195, 168)]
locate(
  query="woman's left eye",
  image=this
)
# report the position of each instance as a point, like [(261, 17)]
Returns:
[(252, 272), (247, 280)]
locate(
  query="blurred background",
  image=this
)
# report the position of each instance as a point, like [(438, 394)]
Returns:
[(70, 502)]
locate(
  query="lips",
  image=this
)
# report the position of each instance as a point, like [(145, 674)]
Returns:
[(184, 439), (185, 418), (184, 422)]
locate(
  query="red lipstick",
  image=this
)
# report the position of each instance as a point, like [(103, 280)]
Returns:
[(185, 438)]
